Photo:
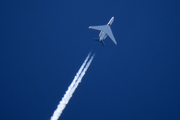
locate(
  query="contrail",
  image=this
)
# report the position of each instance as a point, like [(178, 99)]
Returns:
[(77, 79)]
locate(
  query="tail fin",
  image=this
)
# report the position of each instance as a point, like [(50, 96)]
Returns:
[(102, 42), (99, 40)]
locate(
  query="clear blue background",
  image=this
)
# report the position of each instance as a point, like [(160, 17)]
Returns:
[(43, 44)]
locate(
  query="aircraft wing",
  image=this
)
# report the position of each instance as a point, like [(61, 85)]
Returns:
[(110, 34), (100, 27)]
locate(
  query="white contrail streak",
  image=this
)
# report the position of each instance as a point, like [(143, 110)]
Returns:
[(77, 79), (82, 74)]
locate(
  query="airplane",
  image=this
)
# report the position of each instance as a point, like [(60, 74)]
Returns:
[(105, 31)]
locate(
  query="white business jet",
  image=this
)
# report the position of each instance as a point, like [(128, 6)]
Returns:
[(105, 30)]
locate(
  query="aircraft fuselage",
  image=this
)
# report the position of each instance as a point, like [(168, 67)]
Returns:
[(102, 36)]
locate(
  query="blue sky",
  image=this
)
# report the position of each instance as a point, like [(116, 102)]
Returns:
[(43, 44)]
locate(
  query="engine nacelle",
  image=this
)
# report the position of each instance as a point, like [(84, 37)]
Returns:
[(100, 33)]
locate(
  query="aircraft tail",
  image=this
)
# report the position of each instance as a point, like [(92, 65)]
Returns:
[(97, 39), (100, 41)]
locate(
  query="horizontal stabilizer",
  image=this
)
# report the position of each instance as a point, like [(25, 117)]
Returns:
[(96, 39)]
